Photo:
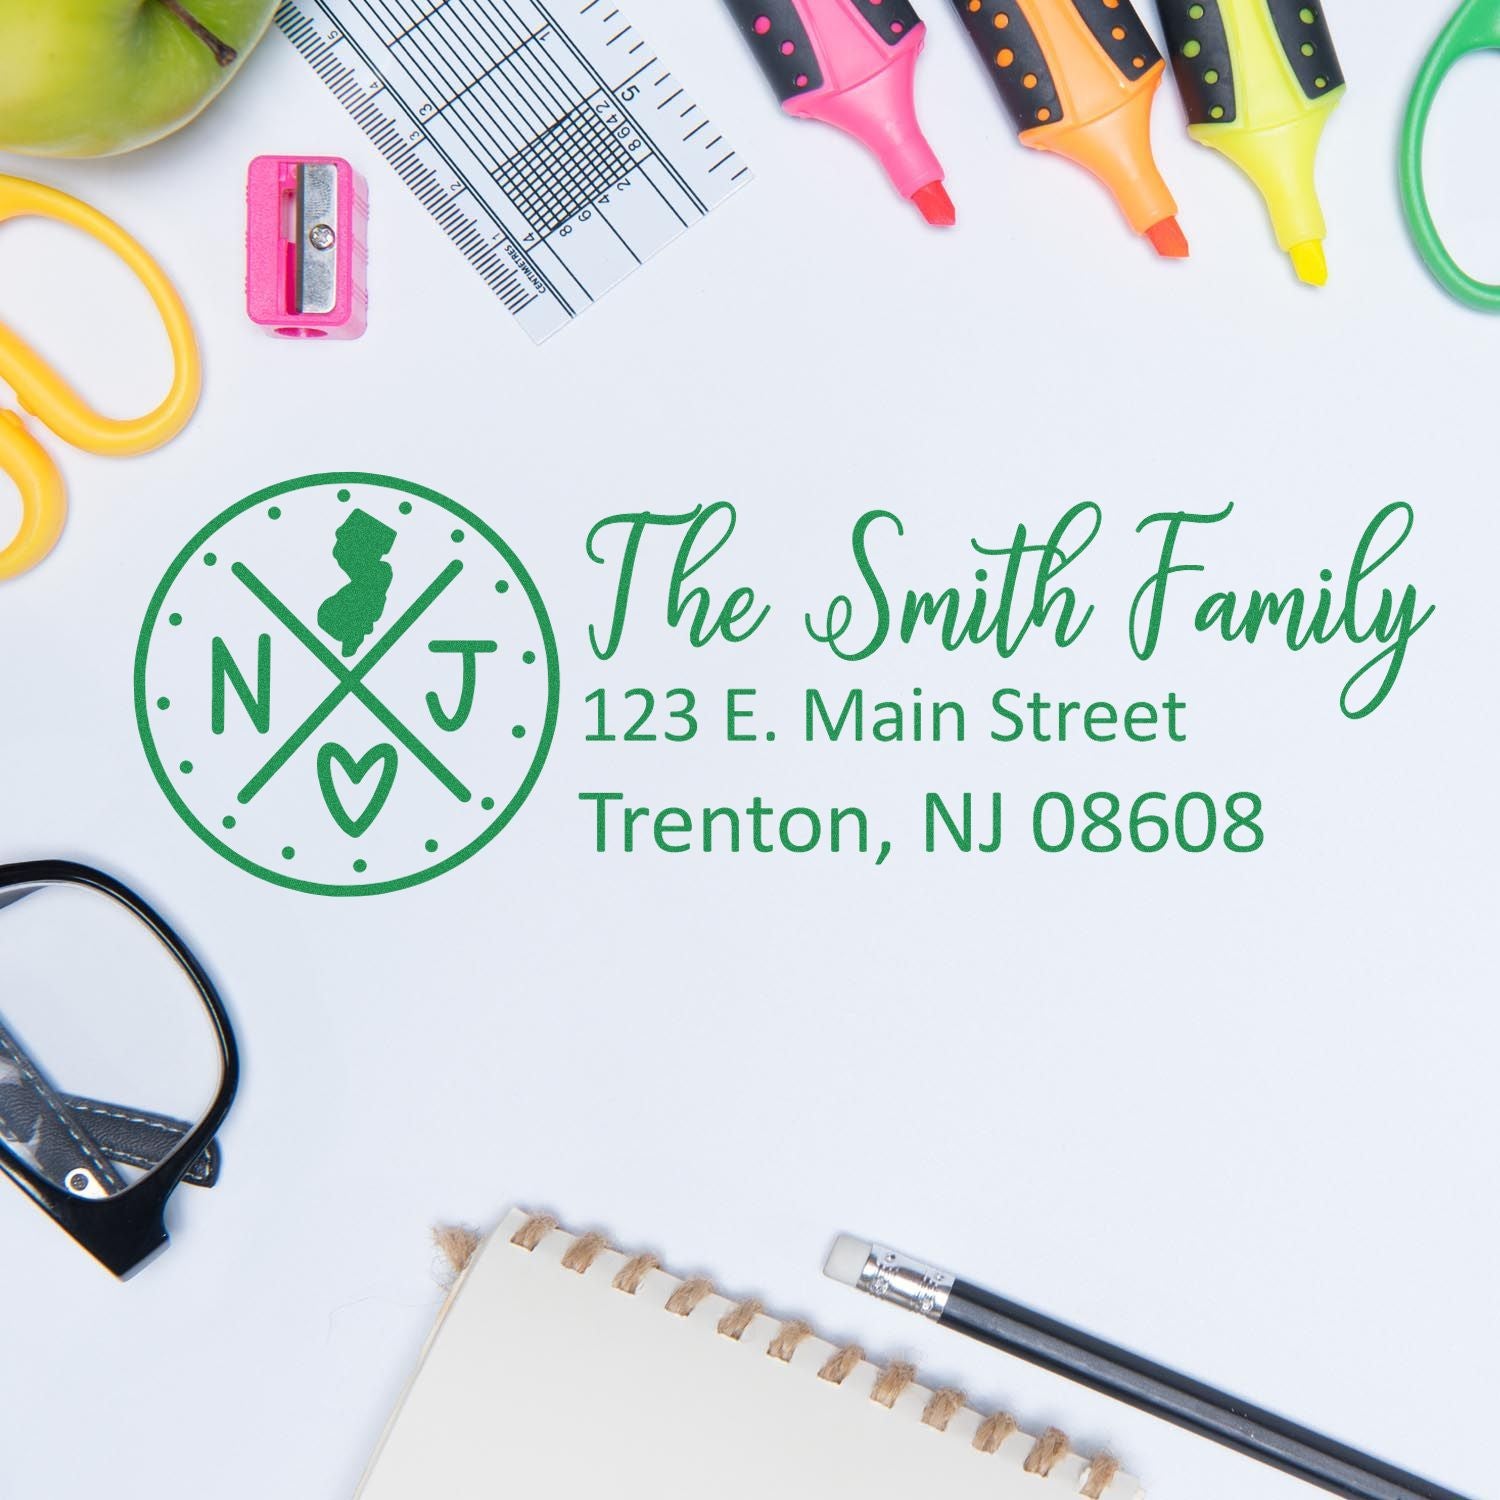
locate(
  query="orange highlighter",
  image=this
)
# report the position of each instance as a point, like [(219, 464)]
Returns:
[(1079, 78)]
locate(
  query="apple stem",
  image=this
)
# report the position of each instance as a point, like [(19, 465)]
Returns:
[(224, 54)]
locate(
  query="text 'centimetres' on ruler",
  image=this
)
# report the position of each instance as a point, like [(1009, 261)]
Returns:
[(557, 156)]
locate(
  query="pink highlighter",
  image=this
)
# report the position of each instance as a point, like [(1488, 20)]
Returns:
[(852, 63), (305, 247)]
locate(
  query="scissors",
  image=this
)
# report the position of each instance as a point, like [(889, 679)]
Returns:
[(42, 392), (1475, 27)]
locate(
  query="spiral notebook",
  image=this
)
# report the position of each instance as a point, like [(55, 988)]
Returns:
[(560, 1366)]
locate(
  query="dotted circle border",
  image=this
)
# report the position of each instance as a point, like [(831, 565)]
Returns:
[(544, 740)]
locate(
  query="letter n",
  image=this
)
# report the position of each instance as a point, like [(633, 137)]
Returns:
[(226, 670)]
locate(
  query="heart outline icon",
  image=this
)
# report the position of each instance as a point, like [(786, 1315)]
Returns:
[(332, 754)]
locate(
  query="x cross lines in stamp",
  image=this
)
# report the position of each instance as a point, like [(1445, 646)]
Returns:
[(346, 684)]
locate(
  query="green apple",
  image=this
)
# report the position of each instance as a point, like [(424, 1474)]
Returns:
[(94, 77)]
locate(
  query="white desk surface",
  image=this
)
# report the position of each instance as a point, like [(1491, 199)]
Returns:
[(1240, 1114)]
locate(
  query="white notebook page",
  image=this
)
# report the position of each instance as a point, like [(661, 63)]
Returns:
[(538, 1378)]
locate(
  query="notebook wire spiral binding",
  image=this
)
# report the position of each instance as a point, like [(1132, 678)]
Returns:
[(746, 1322)]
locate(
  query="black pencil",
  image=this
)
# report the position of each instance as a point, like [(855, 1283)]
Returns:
[(961, 1305)]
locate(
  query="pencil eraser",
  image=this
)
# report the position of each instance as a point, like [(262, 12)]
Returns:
[(306, 224), (847, 1260)]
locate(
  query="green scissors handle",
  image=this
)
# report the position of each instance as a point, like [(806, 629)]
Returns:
[(1474, 28)]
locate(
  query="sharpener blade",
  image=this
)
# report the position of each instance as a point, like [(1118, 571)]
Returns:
[(317, 240)]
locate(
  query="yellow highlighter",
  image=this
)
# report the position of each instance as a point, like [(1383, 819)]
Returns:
[(1259, 79)]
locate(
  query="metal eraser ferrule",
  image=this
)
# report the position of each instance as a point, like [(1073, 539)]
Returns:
[(890, 1276)]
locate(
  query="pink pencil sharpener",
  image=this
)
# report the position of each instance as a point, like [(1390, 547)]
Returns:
[(305, 247)]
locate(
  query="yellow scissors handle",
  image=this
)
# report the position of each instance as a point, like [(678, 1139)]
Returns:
[(44, 498), (44, 393)]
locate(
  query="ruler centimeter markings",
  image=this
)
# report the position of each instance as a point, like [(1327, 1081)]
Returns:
[(557, 154)]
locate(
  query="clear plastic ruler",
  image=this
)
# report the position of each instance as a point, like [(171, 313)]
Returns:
[(549, 141)]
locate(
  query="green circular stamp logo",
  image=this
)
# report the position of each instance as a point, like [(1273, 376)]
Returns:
[(346, 684)]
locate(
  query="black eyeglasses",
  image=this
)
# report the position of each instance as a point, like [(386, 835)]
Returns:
[(117, 1060)]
